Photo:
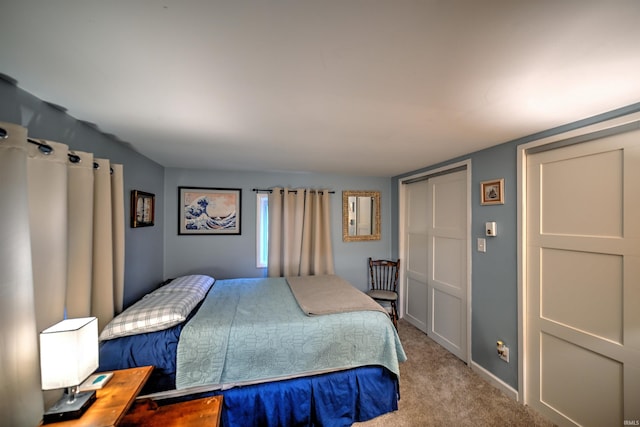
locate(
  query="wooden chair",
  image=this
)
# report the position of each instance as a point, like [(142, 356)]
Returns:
[(383, 285)]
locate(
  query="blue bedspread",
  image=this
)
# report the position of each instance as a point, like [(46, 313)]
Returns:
[(157, 349), (250, 330)]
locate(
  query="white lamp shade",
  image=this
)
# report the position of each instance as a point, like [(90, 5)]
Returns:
[(68, 352)]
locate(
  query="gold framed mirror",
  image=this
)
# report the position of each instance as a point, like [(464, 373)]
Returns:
[(360, 215)]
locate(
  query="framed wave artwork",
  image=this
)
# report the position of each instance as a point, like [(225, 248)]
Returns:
[(209, 211)]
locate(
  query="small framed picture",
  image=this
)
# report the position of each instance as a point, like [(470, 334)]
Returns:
[(209, 211), (142, 209), (492, 192)]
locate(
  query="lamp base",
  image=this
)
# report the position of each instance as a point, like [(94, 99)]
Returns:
[(64, 409)]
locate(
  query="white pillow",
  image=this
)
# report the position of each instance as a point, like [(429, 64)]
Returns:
[(161, 309)]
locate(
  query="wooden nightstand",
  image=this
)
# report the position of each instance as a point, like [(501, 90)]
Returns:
[(193, 413), (113, 400)]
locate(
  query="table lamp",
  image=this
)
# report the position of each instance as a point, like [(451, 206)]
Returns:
[(68, 355)]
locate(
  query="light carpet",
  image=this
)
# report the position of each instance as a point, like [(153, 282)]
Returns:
[(438, 389)]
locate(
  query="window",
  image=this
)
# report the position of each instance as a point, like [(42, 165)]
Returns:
[(262, 230)]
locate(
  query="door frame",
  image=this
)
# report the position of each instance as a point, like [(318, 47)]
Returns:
[(521, 211), (401, 239)]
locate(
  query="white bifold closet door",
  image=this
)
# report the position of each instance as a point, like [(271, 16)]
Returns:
[(436, 267)]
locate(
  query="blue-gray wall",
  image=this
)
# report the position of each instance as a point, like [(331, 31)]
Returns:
[(235, 256), (155, 253), (143, 246), (494, 279)]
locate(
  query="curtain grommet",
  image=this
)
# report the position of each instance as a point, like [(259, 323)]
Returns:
[(45, 149), (4, 134)]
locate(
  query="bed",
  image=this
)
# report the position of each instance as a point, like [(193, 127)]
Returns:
[(283, 351)]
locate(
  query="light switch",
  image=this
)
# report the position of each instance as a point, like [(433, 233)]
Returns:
[(482, 244)]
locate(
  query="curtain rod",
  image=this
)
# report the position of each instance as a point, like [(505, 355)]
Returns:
[(73, 158), (269, 190)]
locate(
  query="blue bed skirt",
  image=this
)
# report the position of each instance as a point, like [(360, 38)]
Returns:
[(332, 399)]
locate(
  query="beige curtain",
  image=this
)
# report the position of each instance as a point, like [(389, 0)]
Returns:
[(49, 259), (299, 233), (95, 241), (118, 221), (47, 190), (21, 400), (102, 293), (80, 248)]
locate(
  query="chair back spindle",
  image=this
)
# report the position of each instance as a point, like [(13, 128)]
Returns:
[(384, 274)]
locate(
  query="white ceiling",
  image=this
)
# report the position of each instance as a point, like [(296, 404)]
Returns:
[(337, 86)]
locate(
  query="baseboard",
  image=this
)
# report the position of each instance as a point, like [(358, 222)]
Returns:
[(495, 381)]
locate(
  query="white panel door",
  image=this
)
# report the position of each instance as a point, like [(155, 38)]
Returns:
[(417, 218), (447, 262), (583, 282)]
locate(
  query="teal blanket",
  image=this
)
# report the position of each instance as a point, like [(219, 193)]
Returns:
[(252, 330)]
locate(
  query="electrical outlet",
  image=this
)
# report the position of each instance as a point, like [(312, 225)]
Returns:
[(505, 354), (503, 351)]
